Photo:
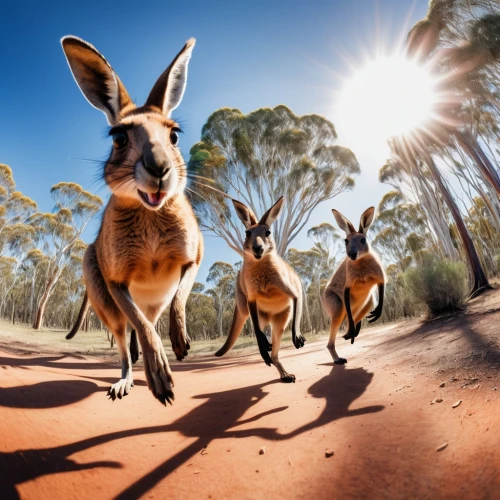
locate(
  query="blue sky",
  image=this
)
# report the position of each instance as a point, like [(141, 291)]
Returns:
[(248, 55)]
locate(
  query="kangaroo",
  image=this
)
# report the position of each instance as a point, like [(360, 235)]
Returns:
[(349, 290), (267, 289), (149, 246)]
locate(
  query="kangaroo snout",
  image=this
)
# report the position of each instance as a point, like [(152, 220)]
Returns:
[(352, 255), (156, 161), (257, 250)]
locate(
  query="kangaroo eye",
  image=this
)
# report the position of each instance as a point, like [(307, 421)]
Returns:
[(247, 234), (120, 140), (174, 137), (363, 241), (268, 233)]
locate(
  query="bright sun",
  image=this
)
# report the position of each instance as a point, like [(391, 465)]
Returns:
[(389, 96)]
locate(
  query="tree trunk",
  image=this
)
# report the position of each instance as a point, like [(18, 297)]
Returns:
[(307, 315), (474, 151), (480, 280), (43, 302), (221, 332)]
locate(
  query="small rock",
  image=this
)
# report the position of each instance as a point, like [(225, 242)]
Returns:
[(442, 447), (436, 400), (328, 453), (456, 403), (453, 379), (262, 450), (495, 388), (442, 384)]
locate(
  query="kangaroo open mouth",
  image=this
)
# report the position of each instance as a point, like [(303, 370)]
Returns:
[(152, 199)]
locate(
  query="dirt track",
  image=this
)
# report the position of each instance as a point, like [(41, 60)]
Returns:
[(62, 438)]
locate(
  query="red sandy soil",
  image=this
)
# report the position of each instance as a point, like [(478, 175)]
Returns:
[(60, 437)]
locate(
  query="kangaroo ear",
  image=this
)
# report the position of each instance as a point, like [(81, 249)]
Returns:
[(169, 88), (273, 213), (98, 82), (366, 220), (245, 214), (344, 223)]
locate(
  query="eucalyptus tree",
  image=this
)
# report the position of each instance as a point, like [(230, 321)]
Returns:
[(417, 186), (401, 232), (201, 316), (35, 265), (460, 60), (307, 264), (259, 157), (222, 276), (408, 151), (459, 41), (15, 208), (327, 246), (315, 266), (60, 233)]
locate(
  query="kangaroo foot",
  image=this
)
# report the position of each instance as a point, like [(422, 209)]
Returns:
[(120, 388)]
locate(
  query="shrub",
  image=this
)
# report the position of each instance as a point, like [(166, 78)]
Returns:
[(440, 284)]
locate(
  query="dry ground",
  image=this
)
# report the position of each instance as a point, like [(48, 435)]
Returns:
[(61, 438)]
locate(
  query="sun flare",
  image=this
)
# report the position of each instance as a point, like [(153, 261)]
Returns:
[(389, 96)]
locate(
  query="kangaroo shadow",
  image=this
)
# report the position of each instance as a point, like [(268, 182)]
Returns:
[(340, 388), (218, 417), (53, 362), (51, 394)]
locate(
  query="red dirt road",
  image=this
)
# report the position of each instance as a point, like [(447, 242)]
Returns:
[(62, 438)]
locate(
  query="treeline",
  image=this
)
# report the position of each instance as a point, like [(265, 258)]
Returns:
[(41, 253), (441, 224), (437, 230)]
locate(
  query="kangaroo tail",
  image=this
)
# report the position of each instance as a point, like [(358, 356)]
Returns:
[(238, 321), (81, 315)]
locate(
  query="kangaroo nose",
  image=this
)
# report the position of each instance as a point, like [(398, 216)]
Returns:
[(258, 250), (353, 255), (155, 161)]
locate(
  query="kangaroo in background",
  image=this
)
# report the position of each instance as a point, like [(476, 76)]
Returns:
[(349, 290), (267, 289), (149, 246)]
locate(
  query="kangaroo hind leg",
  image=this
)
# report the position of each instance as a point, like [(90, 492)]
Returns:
[(279, 322), (106, 308), (336, 310), (178, 332)]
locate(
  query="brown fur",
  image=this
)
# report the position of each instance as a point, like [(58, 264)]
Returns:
[(358, 277), (149, 246), (267, 289)]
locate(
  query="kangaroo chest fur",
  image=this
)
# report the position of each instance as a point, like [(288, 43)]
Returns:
[(147, 250), (261, 285), (360, 276)]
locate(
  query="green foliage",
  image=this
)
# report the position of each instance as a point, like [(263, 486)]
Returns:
[(438, 283), (261, 156)]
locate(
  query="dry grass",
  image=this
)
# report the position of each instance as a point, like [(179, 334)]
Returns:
[(22, 338)]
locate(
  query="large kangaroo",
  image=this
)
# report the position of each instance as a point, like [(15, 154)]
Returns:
[(149, 246), (267, 289), (349, 290)]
